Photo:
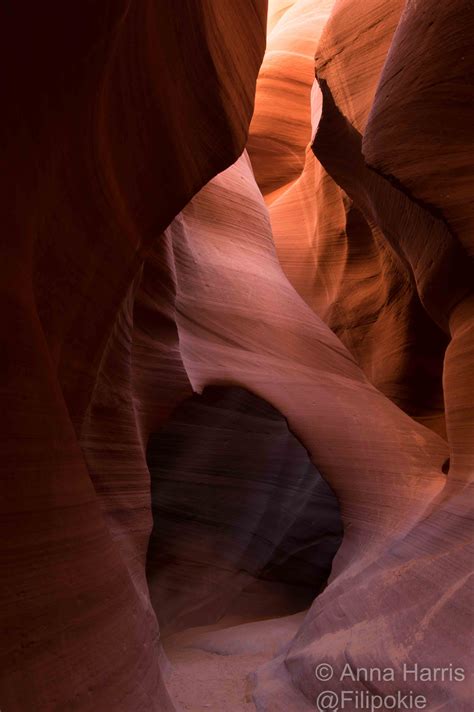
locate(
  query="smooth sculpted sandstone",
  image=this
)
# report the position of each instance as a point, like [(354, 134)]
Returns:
[(432, 126), (278, 328), (281, 127), (392, 98), (236, 502), (399, 588), (332, 252), (422, 231), (113, 117)]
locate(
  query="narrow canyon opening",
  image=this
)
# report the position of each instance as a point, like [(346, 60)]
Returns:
[(244, 533), (237, 428)]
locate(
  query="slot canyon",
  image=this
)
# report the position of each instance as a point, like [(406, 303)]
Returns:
[(237, 432)]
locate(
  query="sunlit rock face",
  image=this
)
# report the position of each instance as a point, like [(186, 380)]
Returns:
[(311, 296), (333, 252)]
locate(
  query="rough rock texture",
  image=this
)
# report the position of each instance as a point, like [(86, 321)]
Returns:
[(113, 117), (235, 498), (213, 666)]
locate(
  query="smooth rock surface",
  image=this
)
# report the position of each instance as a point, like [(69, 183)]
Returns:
[(235, 499), (113, 116), (328, 272)]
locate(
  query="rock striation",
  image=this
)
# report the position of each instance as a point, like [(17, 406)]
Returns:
[(180, 314), (108, 130), (235, 499)]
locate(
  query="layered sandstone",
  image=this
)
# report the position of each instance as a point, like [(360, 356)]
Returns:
[(323, 277), (113, 117)]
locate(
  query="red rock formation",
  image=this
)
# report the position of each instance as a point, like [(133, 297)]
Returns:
[(417, 231), (239, 321), (333, 299), (281, 127), (431, 127), (334, 254), (113, 117)]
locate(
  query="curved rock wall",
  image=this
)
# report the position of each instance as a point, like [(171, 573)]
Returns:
[(114, 116), (235, 499), (332, 251), (330, 274)]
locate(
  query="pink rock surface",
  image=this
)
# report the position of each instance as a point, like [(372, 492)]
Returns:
[(402, 516), (328, 271)]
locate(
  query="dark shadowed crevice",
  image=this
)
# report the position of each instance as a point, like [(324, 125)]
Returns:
[(416, 232), (243, 522)]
